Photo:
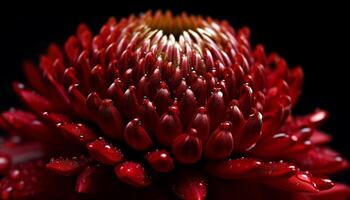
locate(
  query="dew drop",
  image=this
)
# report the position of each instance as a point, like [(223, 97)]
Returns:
[(15, 174), (20, 185), (6, 194), (338, 159), (21, 86)]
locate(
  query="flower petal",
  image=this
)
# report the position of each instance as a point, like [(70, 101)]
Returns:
[(132, 173)]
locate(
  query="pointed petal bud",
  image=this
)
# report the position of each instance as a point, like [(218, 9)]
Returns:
[(188, 107), (169, 126), (251, 132), (160, 160), (130, 103), (110, 120), (200, 122), (187, 148), (215, 108), (220, 142), (136, 136)]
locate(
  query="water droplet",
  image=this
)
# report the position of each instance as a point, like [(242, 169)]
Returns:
[(338, 159), (20, 86), (6, 194), (15, 174), (294, 138), (305, 130), (4, 163), (36, 122), (20, 185)]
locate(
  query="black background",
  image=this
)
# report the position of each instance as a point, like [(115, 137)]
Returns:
[(314, 36)]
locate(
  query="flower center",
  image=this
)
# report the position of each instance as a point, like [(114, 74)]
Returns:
[(173, 24)]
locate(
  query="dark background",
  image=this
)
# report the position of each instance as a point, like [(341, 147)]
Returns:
[(314, 36)]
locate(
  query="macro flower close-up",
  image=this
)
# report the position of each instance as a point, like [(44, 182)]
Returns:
[(164, 106)]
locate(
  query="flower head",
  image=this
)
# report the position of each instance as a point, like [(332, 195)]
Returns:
[(159, 103)]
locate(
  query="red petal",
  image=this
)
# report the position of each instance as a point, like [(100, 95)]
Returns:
[(71, 49), (130, 103), (27, 125), (78, 132), (246, 99), (67, 166), (319, 138), (188, 107), (220, 142), (272, 120), (136, 136), (187, 148), (34, 77), (160, 160), (94, 178), (169, 126), (339, 192), (33, 101), (320, 160), (251, 132), (93, 102), (234, 115), (201, 123), (149, 116), (274, 146), (190, 186), (110, 120), (77, 100), (273, 170), (259, 78), (54, 52), (163, 100), (133, 174), (13, 154), (70, 77), (300, 182), (58, 69), (199, 88), (215, 108), (104, 152), (296, 79), (56, 92), (115, 92), (55, 118), (32, 181), (232, 169)]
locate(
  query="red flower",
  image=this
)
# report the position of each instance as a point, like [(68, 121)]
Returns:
[(160, 103)]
